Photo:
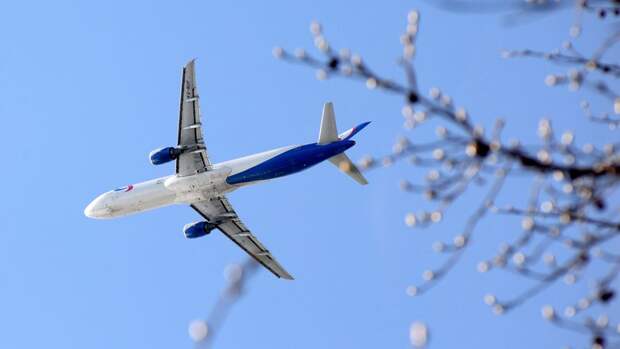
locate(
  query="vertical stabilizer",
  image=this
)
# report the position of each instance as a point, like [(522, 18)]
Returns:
[(328, 132)]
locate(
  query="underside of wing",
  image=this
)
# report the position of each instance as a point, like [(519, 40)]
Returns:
[(190, 127), (220, 211)]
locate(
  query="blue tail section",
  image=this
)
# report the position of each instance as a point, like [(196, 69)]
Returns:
[(291, 161), (352, 131), (330, 146)]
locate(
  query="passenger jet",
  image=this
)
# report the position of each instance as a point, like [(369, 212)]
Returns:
[(203, 185)]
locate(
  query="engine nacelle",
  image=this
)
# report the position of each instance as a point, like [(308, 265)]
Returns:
[(198, 229), (164, 155)]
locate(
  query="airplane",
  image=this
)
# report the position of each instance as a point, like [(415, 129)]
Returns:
[(203, 185)]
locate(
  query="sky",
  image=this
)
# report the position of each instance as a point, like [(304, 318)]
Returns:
[(88, 89)]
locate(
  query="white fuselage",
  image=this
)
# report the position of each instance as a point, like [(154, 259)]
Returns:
[(221, 178), (174, 189)]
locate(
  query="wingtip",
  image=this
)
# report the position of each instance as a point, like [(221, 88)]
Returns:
[(190, 62)]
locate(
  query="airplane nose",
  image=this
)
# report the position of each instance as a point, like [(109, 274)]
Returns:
[(89, 211), (97, 208)]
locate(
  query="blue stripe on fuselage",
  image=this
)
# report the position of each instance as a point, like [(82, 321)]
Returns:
[(291, 161)]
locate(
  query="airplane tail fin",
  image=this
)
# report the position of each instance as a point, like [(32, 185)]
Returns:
[(329, 133)]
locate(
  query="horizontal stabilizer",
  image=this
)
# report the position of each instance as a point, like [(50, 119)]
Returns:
[(352, 131), (345, 165)]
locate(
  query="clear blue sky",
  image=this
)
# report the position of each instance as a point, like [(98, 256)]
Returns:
[(87, 89)]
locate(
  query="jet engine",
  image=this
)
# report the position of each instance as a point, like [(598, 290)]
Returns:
[(198, 229), (164, 155)]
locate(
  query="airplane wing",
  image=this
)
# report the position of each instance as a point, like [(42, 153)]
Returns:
[(212, 210), (190, 128)]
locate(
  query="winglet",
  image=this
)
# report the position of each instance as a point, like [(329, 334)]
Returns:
[(191, 61)]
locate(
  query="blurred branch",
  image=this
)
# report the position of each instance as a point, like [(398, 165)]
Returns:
[(568, 210), (203, 332)]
